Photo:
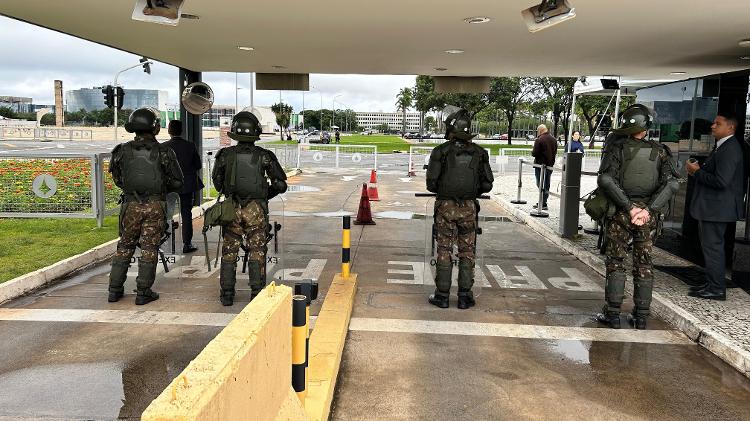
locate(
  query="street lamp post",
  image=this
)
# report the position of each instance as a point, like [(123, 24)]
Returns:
[(333, 111), (114, 84)]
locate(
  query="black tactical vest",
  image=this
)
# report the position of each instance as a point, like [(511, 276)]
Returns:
[(246, 175), (640, 169), (142, 173), (460, 173)]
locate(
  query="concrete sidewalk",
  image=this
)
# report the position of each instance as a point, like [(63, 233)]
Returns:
[(721, 327)]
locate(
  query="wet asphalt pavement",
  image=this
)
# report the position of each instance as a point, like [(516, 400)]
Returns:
[(528, 350)]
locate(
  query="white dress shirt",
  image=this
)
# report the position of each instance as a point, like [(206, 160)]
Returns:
[(722, 140)]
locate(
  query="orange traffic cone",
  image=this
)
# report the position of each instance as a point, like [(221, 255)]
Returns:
[(411, 172), (372, 191), (364, 214)]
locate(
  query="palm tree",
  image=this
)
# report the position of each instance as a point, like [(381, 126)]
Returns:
[(283, 114), (403, 102)]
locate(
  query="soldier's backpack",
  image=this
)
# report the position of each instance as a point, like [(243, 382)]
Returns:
[(142, 172), (460, 177)]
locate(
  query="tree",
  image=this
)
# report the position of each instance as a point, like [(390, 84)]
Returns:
[(507, 94), (48, 119), (404, 100), (283, 114), (430, 123), (383, 127), (558, 93), (7, 112), (591, 107)]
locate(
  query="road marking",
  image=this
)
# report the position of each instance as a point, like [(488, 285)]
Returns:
[(119, 316), (502, 330), (527, 279)]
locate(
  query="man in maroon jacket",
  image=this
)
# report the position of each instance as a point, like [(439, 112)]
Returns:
[(544, 153)]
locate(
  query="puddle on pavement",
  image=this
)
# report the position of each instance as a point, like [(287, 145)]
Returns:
[(296, 188), (577, 351)]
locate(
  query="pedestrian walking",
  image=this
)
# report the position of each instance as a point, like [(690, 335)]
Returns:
[(544, 153)]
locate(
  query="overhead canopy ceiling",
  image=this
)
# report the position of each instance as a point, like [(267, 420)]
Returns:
[(638, 39)]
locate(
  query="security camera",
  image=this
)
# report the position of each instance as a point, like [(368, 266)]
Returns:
[(547, 13)]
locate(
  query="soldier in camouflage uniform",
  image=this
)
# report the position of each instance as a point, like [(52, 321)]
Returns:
[(145, 171), (458, 172), (242, 173), (638, 178)]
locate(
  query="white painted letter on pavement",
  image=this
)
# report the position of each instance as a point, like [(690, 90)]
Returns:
[(576, 281)]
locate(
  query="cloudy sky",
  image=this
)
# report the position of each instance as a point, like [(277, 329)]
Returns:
[(47, 55)]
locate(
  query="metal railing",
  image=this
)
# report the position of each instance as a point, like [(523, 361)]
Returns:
[(337, 156), (41, 133), (55, 185), (538, 211)]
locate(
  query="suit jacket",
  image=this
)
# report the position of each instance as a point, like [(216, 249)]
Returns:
[(190, 162), (720, 185)]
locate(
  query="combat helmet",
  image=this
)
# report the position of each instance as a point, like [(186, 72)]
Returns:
[(144, 119), (635, 119), (245, 127), (457, 123)]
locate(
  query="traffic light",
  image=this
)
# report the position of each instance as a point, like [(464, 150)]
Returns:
[(146, 65), (109, 96), (120, 97)]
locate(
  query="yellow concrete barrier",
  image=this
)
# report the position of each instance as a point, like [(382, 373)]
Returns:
[(327, 346), (242, 374)]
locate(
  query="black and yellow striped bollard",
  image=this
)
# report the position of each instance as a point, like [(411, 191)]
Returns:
[(346, 247), (299, 346)]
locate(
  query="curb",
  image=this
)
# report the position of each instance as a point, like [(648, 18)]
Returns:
[(327, 346), (716, 342)]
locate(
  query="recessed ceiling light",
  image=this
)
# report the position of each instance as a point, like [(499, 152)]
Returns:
[(440, 69), (477, 19), (279, 67), (244, 48), (745, 43), (678, 73), (189, 16), (454, 51)]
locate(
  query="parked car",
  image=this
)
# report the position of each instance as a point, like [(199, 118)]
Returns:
[(500, 136), (325, 139)]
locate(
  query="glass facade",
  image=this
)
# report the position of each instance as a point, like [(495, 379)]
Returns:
[(91, 99)]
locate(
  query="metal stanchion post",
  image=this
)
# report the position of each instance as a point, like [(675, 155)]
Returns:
[(518, 200), (539, 212), (741, 264), (299, 339)]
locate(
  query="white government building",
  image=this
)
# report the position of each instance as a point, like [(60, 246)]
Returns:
[(370, 120)]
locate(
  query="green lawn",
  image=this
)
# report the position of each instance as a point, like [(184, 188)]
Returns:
[(389, 144), (30, 244)]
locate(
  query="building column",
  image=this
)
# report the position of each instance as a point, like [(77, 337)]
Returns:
[(192, 127)]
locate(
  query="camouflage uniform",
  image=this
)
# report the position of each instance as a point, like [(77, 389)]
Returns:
[(141, 218), (456, 223), (619, 185), (458, 172), (251, 220), (252, 223)]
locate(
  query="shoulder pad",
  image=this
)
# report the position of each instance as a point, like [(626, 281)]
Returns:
[(117, 149)]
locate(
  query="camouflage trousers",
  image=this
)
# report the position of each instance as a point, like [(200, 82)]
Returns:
[(456, 223), (619, 233), (141, 224), (251, 221)]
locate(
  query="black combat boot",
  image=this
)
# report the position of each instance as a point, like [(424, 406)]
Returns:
[(257, 281), (465, 299), (642, 291), (443, 286), (637, 321), (117, 279), (144, 282), (227, 279), (465, 282), (609, 317)]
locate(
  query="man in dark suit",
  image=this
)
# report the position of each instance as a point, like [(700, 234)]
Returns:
[(717, 202), (190, 162)]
